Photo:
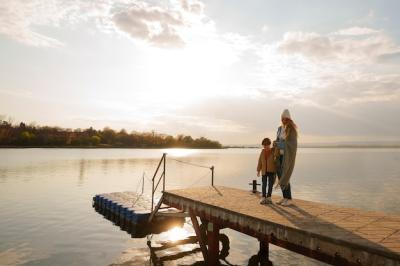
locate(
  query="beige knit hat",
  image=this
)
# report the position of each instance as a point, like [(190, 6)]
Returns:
[(286, 114)]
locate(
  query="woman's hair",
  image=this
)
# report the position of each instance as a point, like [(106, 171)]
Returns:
[(291, 127), (266, 141)]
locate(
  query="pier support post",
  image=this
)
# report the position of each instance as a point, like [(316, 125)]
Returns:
[(199, 235), (263, 254), (213, 244)]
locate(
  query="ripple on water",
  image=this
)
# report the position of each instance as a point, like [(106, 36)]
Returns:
[(46, 217)]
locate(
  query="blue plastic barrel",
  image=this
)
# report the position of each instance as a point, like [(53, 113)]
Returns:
[(108, 204), (99, 200), (123, 212)]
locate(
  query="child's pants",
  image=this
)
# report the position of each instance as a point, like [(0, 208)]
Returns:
[(270, 178)]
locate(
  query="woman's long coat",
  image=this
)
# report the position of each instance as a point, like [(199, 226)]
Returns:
[(289, 158)]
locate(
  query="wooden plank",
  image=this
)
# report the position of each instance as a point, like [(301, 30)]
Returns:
[(334, 234)]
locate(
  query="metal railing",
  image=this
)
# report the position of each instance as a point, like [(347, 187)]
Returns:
[(163, 161), (212, 175), (162, 176)]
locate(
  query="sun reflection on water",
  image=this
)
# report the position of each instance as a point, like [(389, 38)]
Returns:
[(180, 152), (176, 233)]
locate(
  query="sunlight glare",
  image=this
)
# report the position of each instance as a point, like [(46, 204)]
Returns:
[(179, 152), (192, 73), (176, 233)]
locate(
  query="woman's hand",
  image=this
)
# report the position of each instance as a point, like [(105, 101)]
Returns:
[(281, 145)]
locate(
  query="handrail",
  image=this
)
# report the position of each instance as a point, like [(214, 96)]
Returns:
[(212, 175), (162, 176), (158, 167), (158, 182)]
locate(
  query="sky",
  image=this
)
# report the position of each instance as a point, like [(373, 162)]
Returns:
[(224, 70)]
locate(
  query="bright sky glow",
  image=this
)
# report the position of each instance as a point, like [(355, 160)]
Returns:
[(223, 70)]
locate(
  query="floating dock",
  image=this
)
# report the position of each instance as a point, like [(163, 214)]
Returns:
[(131, 212), (332, 234)]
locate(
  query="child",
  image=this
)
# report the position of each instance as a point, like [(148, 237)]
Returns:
[(267, 165)]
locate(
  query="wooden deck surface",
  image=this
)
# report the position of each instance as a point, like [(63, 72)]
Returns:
[(361, 237)]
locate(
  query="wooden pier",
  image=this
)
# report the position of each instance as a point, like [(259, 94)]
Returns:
[(332, 234)]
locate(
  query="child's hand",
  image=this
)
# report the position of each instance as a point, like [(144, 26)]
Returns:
[(258, 174)]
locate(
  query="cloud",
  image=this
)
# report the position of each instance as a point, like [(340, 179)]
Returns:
[(17, 19), (356, 31), (329, 80), (159, 24), (203, 124), (170, 25), (264, 28), (196, 7), (22, 20), (389, 58), (337, 84), (173, 123), (342, 68), (153, 24), (367, 19), (359, 89), (353, 45)]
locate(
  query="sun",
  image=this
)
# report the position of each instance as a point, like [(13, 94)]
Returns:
[(186, 75)]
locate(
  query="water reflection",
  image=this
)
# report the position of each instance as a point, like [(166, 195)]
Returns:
[(259, 260), (180, 152), (45, 192), (174, 245), (176, 233), (179, 250), (104, 165), (81, 177), (184, 251), (17, 255), (3, 175)]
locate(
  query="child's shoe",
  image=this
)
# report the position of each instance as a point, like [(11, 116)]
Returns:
[(281, 201), (287, 202), (263, 200), (269, 200)]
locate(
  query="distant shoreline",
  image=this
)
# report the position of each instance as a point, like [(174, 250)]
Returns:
[(203, 148), (328, 147), (103, 147)]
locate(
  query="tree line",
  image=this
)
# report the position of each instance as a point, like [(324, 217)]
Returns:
[(24, 135)]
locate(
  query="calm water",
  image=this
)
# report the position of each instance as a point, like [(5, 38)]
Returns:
[(46, 217)]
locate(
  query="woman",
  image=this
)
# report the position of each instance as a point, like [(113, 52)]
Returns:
[(286, 140)]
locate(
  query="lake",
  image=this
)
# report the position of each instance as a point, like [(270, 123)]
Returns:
[(47, 218)]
